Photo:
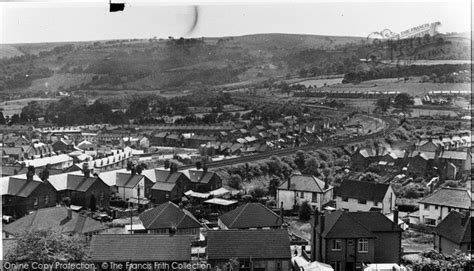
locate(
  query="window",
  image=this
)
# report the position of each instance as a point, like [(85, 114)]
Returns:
[(314, 197), (35, 201), (363, 245), (345, 199), (336, 266), (436, 207), (302, 194), (376, 203), (167, 195), (362, 201), (427, 206), (350, 242), (430, 221), (336, 244), (46, 200), (279, 266)]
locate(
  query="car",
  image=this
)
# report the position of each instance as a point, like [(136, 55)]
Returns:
[(102, 217), (7, 219)]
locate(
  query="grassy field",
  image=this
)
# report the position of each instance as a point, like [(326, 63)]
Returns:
[(14, 106), (412, 86)]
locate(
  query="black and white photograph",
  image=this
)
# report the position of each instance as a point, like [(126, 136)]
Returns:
[(206, 135)]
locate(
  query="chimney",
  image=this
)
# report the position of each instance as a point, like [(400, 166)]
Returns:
[(431, 187), (322, 224), (326, 185), (282, 215), (314, 234), (133, 171), (289, 183), (395, 217), (69, 213), (30, 173), (204, 168)]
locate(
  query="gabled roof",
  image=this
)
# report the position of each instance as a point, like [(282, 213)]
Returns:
[(340, 224), (74, 181), (140, 248), (168, 215), (375, 221), (307, 183), (451, 197), (128, 180), (18, 185), (455, 155), (455, 227), (199, 176), (254, 244), (54, 218), (251, 215), (372, 191)]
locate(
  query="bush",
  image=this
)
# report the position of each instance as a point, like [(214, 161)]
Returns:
[(304, 212), (258, 192), (235, 181)]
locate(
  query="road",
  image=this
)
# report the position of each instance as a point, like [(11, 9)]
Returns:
[(392, 125)]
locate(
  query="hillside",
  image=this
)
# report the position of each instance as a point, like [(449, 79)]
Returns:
[(177, 64)]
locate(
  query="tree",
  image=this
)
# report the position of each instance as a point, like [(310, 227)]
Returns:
[(304, 212), (383, 104), (403, 101), (273, 186), (235, 181), (2, 118), (312, 166), (47, 246), (300, 159), (257, 192)]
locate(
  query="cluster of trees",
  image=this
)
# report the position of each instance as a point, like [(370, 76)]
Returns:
[(21, 76), (76, 110), (326, 164), (434, 260), (47, 246), (321, 62), (390, 71)]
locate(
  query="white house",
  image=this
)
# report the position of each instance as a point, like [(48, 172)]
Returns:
[(435, 207), (300, 188), (363, 196)]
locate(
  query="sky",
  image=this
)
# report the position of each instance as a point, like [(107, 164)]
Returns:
[(55, 21)]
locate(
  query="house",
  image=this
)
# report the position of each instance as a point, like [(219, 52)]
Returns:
[(345, 240), (169, 218), (435, 207), (365, 196), (60, 161), (362, 158), (15, 141), (461, 159), (58, 218), (250, 216), (421, 163), (159, 252), (168, 186), (63, 146), (82, 189), (265, 250), (429, 145), (24, 193), (128, 185), (300, 188), (204, 180), (454, 233)]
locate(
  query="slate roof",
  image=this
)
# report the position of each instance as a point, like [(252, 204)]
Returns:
[(18, 185), (251, 215), (199, 176), (455, 227), (255, 244), (168, 215), (72, 181), (140, 248), (54, 218), (375, 221), (307, 183), (451, 197), (362, 190), (127, 179), (340, 224), (455, 155)]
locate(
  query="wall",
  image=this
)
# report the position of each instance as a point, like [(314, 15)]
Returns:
[(387, 247), (444, 245), (435, 212)]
